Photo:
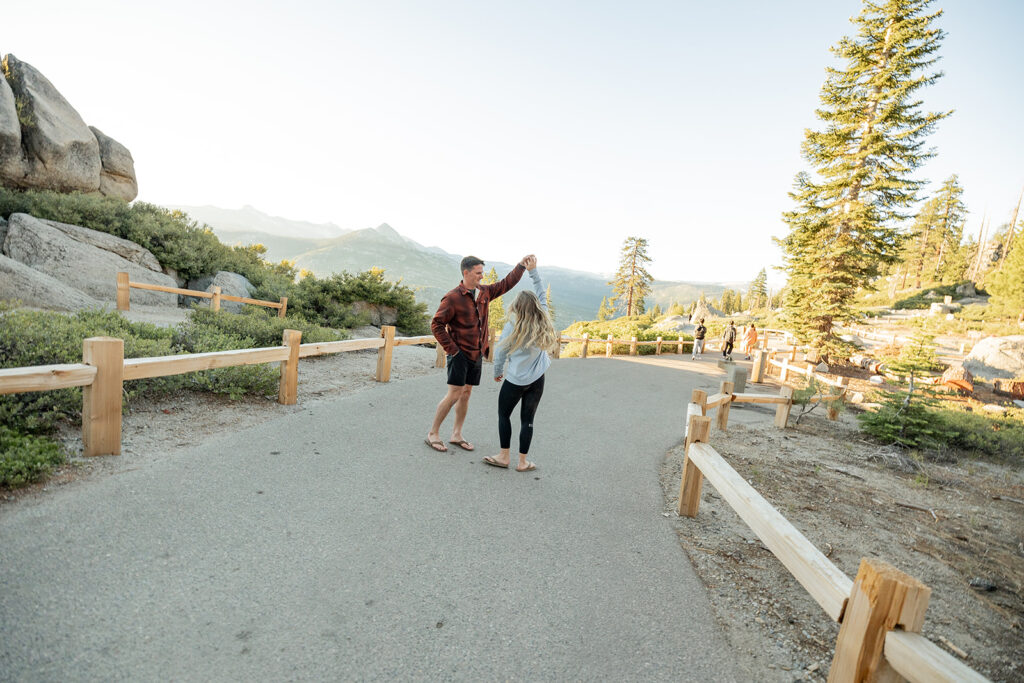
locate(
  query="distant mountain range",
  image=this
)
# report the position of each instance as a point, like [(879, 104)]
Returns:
[(430, 271)]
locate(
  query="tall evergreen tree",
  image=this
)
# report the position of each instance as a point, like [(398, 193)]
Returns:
[(757, 295), (843, 230), (1007, 286), (550, 304), (496, 309), (950, 229), (632, 281), (607, 311)]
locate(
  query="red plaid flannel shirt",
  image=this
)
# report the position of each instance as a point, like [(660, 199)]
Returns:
[(460, 323)]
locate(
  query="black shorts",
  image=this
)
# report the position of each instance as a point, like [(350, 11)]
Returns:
[(463, 371)]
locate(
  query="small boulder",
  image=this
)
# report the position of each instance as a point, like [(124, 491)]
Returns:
[(126, 249), (377, 314), (876, 379), (939, 308), (958, 379), (997, 357), (821, 367), (966, 289), (230, 283), (1014, 388)]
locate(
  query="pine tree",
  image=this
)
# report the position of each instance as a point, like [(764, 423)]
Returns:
[(656, 312), (550, 305), (1007, 286), (607, 311), (676, 309), (496, 317), (842, 232), (632, 281), (757, 295), (950, 229)]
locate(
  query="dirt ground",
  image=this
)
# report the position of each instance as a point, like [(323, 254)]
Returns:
[(947, 525)]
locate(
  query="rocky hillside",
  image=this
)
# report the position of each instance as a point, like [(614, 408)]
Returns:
[(45, 144)]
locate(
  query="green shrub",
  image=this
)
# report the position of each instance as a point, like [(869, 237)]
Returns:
[(328, 301), (1000, 438), (257, 325), (30, 338), (25, 459)]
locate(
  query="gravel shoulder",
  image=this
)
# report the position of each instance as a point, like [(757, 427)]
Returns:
[(853, 499)]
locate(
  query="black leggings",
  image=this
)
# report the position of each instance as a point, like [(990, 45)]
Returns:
[(507, 400), (727, 348)]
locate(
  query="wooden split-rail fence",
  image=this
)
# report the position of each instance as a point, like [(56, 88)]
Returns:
[(592, 344), (881, 612), (104, 369), (125, 287)]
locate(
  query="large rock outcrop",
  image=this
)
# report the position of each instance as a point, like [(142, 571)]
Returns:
[(997, 357), (45, 144), (80, 263), (31, 287)]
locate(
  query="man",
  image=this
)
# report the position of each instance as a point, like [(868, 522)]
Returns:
[(728, 339), (698, 340), (460, 327)]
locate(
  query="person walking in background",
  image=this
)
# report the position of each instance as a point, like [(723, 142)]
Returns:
[(698, 340), (750, 340), (525, 340), (728, 338), (460, 327)]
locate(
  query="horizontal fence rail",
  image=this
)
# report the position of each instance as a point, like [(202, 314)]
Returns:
[(104, 370), (124, 287), (880, 613)]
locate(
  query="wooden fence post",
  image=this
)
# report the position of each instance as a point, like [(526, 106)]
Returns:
[(782, 410), (757, 370), (883, 598), (491, 337), (284, 307), (700, 397), (658, 351), (690, 484), (215, 301), (632, 346), (441, 359), (680, 351), (558, 346), (608, 347), (792, 353), (288, 390), (384, 354), (586, 345), (123, 292), (784, 370), (723, 408), (101, 400), (832, 410)]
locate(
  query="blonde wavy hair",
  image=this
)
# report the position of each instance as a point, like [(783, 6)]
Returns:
[(531, 326)]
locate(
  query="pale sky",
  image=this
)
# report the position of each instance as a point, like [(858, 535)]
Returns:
[(503, 128)]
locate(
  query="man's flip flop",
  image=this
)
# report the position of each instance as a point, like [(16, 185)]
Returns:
[(464, 445), (434, 445), (494, 463), (529, 467)]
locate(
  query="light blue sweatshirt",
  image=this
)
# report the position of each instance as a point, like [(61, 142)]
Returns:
[(525, 366)]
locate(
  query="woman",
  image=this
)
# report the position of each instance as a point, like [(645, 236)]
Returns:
[(750, 340), (525, 340)]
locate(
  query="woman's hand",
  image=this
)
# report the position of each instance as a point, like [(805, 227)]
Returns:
[(499, 378)]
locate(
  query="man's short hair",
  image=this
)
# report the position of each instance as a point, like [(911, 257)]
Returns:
[(469, 263)]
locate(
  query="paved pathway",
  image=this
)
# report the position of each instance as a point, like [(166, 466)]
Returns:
[(332, 544)]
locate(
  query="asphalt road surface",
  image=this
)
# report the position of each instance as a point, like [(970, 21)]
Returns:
[(332, 544)]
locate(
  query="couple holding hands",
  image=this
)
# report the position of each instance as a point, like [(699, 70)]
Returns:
[(460, 327)]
